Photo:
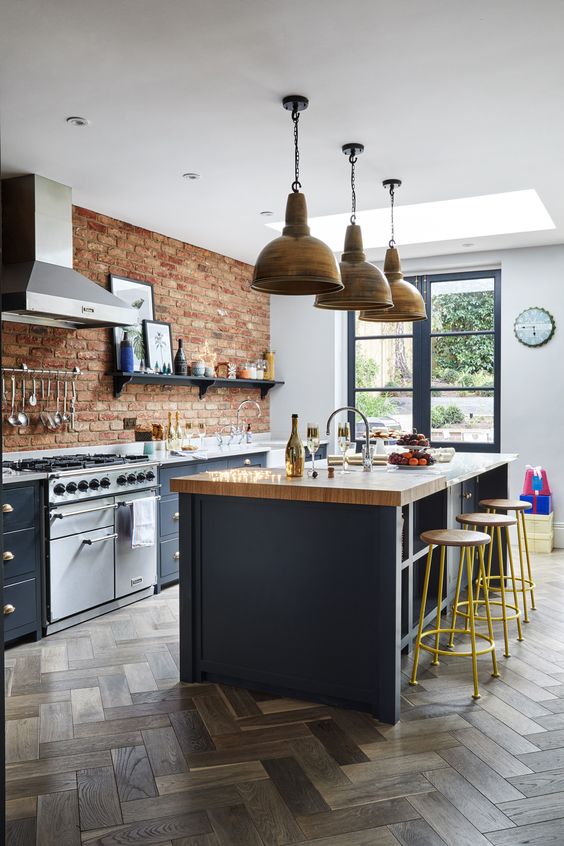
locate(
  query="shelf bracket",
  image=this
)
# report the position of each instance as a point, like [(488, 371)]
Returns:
[(204, 386), (120, 381)]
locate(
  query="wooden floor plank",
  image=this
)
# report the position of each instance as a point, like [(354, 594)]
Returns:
[(416, 833), (134, 776), (163, 749), (294, 786), (86, 705), (139, 677), (483, 777), (57, 819), (98, 801), (191, 732), (171, 804), (22, 740), (161, 831), (21, 832), (114, 691), (338, 744), (535, 809), (56, 722), (360, 817), (539, 834), (446, 820), (234, 827), (269, 813), (477, 809)]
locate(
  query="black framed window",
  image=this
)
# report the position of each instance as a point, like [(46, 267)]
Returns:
[(440, 375)]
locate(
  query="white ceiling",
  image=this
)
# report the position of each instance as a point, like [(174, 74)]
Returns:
[(457, 98)]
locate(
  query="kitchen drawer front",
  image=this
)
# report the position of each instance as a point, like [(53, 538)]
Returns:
[(22, 596), (20, 553), (256, 459), (188, 469), (469, 499), (169, 559), (19, 510), (169, 516)]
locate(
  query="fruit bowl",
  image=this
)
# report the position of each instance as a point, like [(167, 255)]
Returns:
[(411, 460)]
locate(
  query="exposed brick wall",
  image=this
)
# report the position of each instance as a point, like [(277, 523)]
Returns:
[(205, 296)]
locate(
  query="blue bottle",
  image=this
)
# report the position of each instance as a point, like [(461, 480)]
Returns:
[(126, 354)]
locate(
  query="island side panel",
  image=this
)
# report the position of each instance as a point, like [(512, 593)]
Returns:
[(293, 597)]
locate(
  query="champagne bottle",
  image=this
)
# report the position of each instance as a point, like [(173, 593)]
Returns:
[(295, 453), (180, 360), (170, 433), (178, 434)]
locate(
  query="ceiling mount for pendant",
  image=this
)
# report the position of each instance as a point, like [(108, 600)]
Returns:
[(409, 305), (365, 286), (295, 263)]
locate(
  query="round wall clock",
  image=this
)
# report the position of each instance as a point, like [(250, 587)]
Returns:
[(534, 327)]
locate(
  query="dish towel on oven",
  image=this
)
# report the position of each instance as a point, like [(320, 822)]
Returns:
[(143, 522)]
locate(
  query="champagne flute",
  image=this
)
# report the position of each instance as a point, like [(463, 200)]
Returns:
[(344, 442), (312, 445)]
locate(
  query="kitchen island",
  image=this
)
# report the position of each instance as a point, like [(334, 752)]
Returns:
[(311, 588)]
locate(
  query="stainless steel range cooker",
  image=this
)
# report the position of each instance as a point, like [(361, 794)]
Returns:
[(91, 567)]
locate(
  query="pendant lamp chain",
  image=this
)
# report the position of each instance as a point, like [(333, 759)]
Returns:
[(392, 241), (296, 184), (353, 160)]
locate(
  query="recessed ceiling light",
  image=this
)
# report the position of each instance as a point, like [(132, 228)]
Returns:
[(446, 220), (74, 120), (266, 213), (190, 175), (468, 244)]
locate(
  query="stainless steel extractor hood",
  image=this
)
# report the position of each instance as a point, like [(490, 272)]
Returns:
[(38, 282)]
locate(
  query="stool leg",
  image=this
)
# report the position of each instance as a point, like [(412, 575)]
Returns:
[(533, 604), (512, 569), (435, 660), (507, 653), (482, 572), (522, 564), (470, 571), (413, 679), (456, 596)]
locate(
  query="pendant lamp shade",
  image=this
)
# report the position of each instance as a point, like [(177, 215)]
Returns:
[(295, 263), (365, 286), (409, 305)]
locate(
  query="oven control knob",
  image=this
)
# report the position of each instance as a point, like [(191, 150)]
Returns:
[(59, 489), (72, 487), (141, 477), (105, 482), (83, 485), (150, 476), (121, 480), (132, 478), (94, 484)]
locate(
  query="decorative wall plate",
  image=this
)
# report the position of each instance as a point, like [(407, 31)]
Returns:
[(534, 327)]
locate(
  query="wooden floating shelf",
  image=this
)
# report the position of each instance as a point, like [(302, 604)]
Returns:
[(121, 379)]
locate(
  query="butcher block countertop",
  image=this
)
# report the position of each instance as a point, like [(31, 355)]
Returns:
[(383, 486)]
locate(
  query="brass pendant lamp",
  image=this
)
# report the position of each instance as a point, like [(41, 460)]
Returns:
[(409, 305), (365, 286), (295, 262)]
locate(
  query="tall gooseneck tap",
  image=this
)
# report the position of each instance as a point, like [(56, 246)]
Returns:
[(366, 451)]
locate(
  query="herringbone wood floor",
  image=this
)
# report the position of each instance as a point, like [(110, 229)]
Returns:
[(104, 746)]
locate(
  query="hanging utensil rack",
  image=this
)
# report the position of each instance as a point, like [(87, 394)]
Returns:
[(24, 370)]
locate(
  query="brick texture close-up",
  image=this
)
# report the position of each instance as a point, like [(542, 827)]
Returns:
[(205, 296)]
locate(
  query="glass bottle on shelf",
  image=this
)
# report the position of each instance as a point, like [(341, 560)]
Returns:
[(180, 360)]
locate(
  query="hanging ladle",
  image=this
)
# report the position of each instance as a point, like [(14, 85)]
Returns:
[(58, 417), (13, 418), (23, 419)]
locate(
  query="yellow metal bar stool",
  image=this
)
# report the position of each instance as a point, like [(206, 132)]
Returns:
[(493, 523), (468, 541), (526, 579)]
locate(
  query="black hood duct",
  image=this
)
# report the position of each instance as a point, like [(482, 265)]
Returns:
[(38, 283)]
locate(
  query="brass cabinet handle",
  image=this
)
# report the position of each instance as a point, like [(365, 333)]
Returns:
[(8, 556), (7, 508), (176, 515), (9, 609), (176, 556), (467, 495)]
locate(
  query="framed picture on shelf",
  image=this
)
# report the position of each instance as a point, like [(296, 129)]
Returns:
[(138, 295), (158, 345)]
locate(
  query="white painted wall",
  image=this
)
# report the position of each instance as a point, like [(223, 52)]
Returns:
[(311, 354)]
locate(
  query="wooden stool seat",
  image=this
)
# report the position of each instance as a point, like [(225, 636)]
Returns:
[(526, 581), (472, 545), (506, 504), (489, 520), (455, 537)]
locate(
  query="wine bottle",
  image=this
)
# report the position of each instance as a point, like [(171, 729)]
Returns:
[(180, 360), (295, 453)]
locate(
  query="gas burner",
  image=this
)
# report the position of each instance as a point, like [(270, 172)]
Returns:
[(61, 463)]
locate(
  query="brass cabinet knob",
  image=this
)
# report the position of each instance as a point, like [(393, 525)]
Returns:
[(467, 495), (176, 515), (7, 508), (247, 462), (8, 556), (9, 609), (176, 556)]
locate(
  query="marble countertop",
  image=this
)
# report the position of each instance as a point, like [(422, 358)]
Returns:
[(383, 486)]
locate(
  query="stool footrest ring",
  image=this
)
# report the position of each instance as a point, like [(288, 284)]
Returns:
[(432, 632), (482, 618)]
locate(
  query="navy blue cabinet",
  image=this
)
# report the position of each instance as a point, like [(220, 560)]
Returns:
[(169, 513), (21, 560)]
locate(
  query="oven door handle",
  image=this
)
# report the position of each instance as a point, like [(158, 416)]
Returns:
[(90, 541), (131, 501), (83, 511)]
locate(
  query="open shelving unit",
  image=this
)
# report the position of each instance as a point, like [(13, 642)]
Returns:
[(121, 379)]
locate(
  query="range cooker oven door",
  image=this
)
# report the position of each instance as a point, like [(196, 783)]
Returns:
[(81, 557), (136, 569)]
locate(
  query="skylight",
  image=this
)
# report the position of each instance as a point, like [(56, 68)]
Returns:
[(445, 220)]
